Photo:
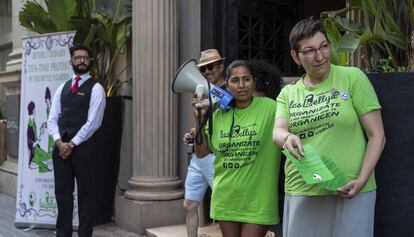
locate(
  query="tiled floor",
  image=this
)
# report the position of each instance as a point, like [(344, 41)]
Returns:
[(180, 231), (7, 229), (7, 214)]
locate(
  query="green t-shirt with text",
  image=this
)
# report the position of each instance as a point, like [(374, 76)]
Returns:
[(327, 117), (246, 166)]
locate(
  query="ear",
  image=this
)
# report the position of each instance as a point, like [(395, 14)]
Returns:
[(221, 68), (295, 56), (254, 82)]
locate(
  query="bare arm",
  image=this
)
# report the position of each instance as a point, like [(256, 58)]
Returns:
[(372, 124), (201, 150), (285, 139)]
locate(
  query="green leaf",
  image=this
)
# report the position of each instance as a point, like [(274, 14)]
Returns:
[(333, 34), (396, 39), (35, 18), (330, 14), (123, 34), (61, 11), (349, 25), (349, 43)]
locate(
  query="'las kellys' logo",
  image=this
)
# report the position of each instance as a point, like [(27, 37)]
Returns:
[(316, 176)]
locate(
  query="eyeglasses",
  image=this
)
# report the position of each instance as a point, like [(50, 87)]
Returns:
[(81, 58), (210, 67), (311, 52)]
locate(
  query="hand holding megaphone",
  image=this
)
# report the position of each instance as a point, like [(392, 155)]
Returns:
[(200, 100), (188, 78), (199, 103)]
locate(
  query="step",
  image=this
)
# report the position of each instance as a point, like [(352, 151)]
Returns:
[(212, 230)]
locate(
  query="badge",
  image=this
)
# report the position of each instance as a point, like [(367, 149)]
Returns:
[(345, 95)]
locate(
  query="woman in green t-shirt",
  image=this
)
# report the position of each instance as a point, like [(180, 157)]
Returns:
[(247, 162), (336, 111)]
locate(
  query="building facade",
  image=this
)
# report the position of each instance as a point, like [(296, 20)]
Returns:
[(165, 34)]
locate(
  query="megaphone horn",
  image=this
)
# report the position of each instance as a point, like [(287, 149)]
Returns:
[(188, 77)]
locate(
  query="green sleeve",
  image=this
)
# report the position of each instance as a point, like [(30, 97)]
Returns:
[(282, 104), (363, 94)]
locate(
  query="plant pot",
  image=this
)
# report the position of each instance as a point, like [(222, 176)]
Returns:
[(108, 139), (394, 212)]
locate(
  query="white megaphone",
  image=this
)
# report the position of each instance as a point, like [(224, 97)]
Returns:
[(189, 79)]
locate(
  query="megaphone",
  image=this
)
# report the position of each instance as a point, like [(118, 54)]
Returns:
[(189, 79)]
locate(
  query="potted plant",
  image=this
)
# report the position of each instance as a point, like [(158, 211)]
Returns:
[(105, 26), (384, 38)]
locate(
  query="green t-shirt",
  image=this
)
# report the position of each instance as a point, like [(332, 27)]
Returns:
[(327, 117), (247, 173)]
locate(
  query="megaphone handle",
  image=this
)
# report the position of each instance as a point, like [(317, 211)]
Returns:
[(198, 135)]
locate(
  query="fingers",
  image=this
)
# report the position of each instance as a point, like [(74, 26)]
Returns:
[(344, 191), (292, 150), (185, 141), (65, 155), (349, 190), (65, 149), (300, 148), (186, 137), (293, 142)]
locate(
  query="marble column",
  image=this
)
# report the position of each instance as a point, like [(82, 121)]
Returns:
[(154, 58)]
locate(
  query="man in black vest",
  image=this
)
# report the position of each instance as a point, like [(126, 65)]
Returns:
[(77, 110)]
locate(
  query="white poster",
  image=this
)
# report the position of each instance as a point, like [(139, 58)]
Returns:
[(45, 65)]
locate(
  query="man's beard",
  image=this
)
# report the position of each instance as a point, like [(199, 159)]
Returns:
[(78, 70)]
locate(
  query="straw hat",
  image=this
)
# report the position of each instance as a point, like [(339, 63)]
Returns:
[(209, 56)]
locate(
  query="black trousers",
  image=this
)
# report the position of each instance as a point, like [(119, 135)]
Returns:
[(79, 166)]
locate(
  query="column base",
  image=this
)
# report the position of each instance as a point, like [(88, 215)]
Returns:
[(149, 188), (15, 60), (136, 216)]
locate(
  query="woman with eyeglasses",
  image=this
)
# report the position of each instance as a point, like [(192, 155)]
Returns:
[(336, 111), (244, 199)]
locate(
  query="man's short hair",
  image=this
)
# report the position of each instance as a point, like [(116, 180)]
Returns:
[(80, 47)]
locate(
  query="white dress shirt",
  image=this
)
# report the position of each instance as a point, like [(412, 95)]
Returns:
[(95, 112)]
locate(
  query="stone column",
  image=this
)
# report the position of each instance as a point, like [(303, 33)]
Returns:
[(15, 57), (155, 188), (155, 55), (10, 81)]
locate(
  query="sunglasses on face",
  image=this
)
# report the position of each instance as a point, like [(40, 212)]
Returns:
[(210, 67)]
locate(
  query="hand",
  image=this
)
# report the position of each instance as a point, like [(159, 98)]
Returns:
[(65, 148), (199, 106), (293, 142), (351, 189), (189, 135)]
